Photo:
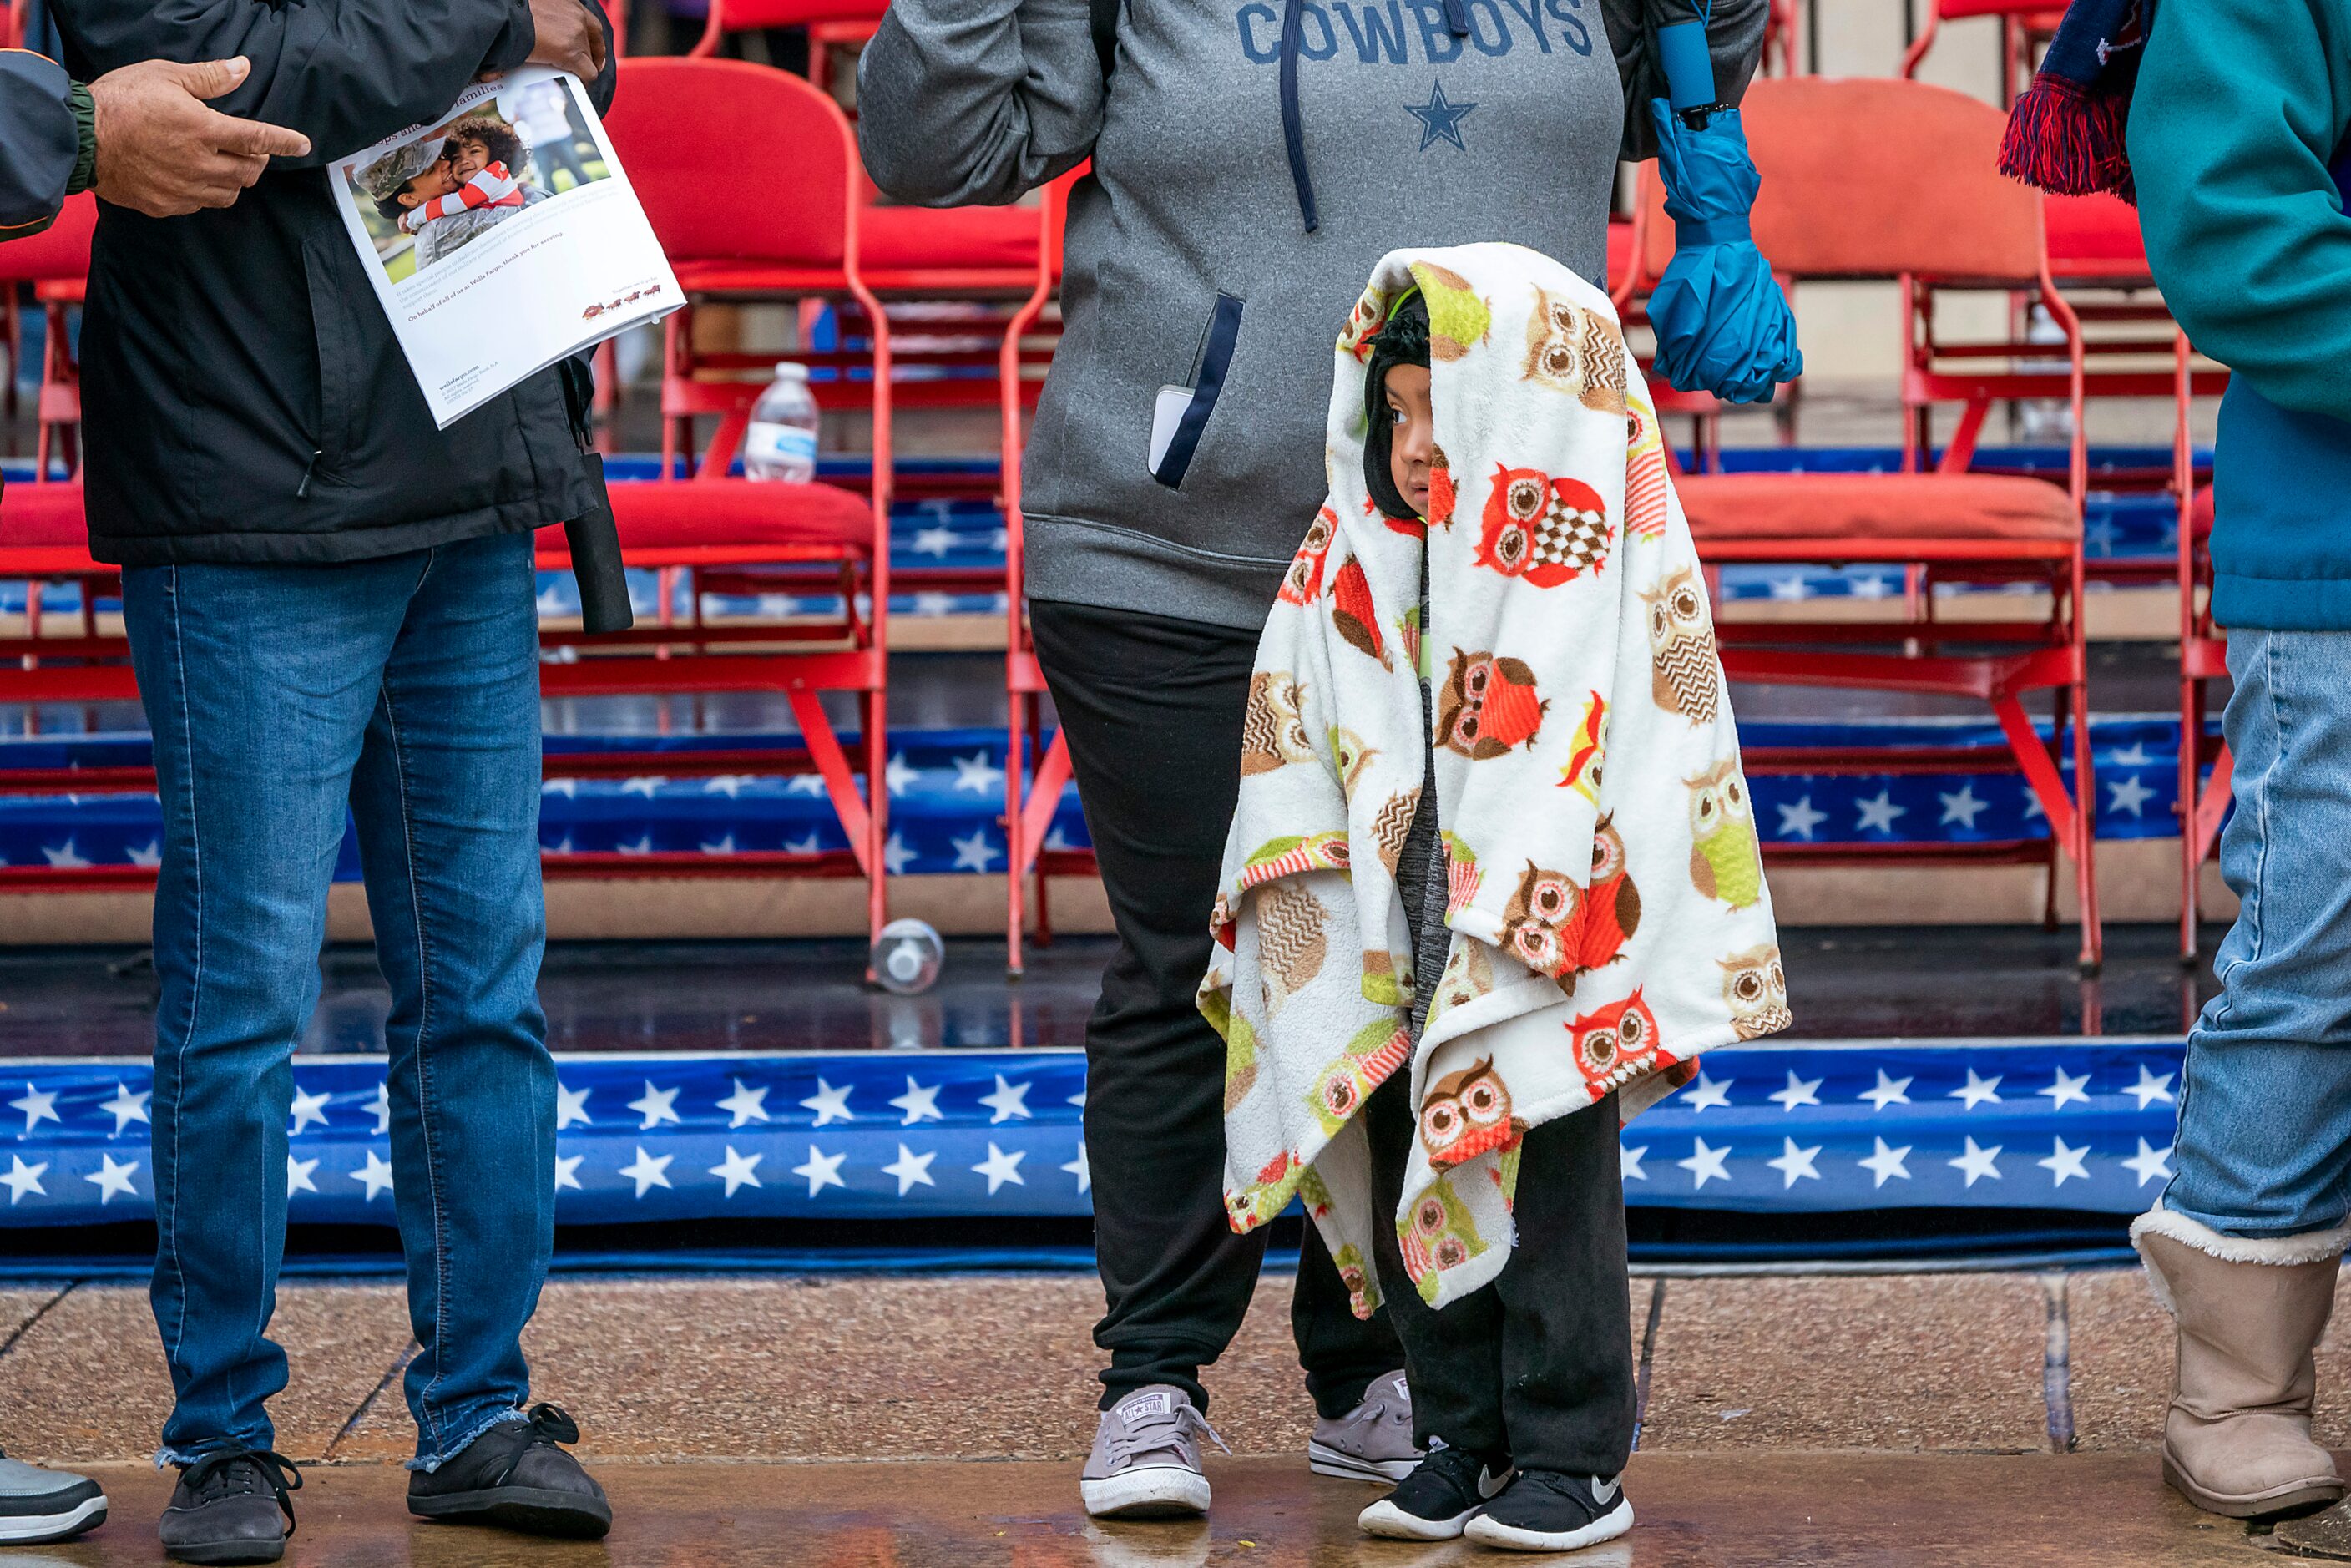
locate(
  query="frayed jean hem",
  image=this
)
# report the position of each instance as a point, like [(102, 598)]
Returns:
[(428, 1463), (167, 1457)]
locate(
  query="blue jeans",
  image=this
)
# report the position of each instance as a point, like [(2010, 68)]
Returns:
[(2264, 1142), (406, 688)]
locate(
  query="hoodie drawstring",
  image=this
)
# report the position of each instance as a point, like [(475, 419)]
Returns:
[(1294, 130)]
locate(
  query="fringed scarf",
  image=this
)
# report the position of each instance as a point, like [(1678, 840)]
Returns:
[(2066, 133)]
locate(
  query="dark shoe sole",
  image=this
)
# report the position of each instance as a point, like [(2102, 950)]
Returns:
[(212, 1552), (527, 1509), (45, 1529)]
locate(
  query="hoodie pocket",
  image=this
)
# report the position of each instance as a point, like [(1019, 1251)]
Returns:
[(1182, 413)]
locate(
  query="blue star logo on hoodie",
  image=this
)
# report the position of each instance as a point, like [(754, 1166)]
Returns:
[(1439, 120)]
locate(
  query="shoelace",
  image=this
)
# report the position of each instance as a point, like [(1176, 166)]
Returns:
[(552, 1424), (217, 1475), (1157, 1431)]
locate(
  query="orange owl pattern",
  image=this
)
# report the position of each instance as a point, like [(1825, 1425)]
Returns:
[(1488, 706), (1302, 583), (1545, 530), (1468, 1114), (1618, 1043)]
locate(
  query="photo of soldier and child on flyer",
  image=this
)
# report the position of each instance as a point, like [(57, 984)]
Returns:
[(427, 198)]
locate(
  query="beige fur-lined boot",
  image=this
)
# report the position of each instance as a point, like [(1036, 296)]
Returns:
[(2236, 1440)]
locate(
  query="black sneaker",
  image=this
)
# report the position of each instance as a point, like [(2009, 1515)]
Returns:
[(513, 1477), (231, 1507), (1443, 1493), (1543, 1511)]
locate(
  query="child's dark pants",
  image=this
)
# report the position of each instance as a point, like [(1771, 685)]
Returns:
[(1539, 1364)]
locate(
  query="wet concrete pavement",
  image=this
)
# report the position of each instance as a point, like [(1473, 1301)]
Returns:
[(1814, 1509), (2001, 1419), (1856, 983)]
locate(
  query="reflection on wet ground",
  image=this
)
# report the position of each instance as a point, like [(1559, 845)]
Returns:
[(784, 997), (1819, 1510)]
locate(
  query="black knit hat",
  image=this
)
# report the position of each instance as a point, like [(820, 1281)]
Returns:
[(1404, 340)]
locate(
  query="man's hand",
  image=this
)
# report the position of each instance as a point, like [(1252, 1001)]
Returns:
[(160, 152), (568, 38)]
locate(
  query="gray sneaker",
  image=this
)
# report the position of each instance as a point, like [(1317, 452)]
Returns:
[(38, 1505), (1146, 1457), (1372, 1442)]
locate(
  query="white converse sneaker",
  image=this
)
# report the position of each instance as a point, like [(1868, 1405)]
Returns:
[(1146, 1462), (1372, 1442)]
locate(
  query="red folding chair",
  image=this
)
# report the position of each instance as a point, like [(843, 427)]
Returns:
[(1889, 178), (2095, 249), (2025, 26), (712, 533), (954, 273), (55, 264), (2203, 804)]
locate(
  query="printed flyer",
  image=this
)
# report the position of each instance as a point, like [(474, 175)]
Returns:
[(503, 237)]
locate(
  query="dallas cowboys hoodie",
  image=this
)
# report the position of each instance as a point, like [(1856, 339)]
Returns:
[(1251, 160)]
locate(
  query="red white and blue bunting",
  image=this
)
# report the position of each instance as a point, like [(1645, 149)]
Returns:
[(2083, 1125)]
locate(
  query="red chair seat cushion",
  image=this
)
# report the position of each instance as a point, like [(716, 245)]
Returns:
[(686, 514), (42, 517), (1862, 506), (2093, 237), (909, 239)]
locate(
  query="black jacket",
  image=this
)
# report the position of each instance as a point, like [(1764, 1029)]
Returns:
[(244, 398), (39, 141)]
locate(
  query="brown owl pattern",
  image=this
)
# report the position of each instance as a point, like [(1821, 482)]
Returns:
[(1273, 734), (1540, 923), (1575, 351), (1290, 941), (1685, 668), (1392, 824)]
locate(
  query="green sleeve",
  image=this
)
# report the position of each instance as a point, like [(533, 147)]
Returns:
[(2240, 108), (85, 113)]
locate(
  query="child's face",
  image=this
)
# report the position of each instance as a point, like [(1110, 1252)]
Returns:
[(468, 158), (437, 181), (1415, 437)]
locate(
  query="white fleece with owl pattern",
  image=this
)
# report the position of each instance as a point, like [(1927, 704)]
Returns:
[(1608, 914)]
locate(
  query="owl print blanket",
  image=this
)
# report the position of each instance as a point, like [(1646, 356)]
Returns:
[(1607, 909)]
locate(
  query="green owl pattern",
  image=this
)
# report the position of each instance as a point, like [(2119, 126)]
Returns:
[(1378, 1048), (1438, 1234), (1356, 1273), (1726, 861)]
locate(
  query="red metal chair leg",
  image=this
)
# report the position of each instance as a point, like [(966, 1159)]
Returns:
[(2086, 842), (875, 718), (1018, 855)]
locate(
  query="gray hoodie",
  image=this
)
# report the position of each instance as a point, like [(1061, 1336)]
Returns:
[(1213, 254)]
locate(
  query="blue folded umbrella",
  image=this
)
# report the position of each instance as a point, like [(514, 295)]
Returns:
[(1722, 325)]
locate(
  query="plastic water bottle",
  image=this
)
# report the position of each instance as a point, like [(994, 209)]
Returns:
[(907, 956), (781, 442)]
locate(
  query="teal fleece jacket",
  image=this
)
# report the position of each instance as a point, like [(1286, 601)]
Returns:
[(2236, 125)]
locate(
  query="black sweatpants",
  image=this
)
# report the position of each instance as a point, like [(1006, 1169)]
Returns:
[(1152, 709)]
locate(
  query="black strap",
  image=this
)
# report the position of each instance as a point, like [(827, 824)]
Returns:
[(594, 537), (1101, 15)]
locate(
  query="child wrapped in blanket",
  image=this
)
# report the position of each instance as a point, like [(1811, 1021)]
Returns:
[(1564, 945), (1533, 1372)]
